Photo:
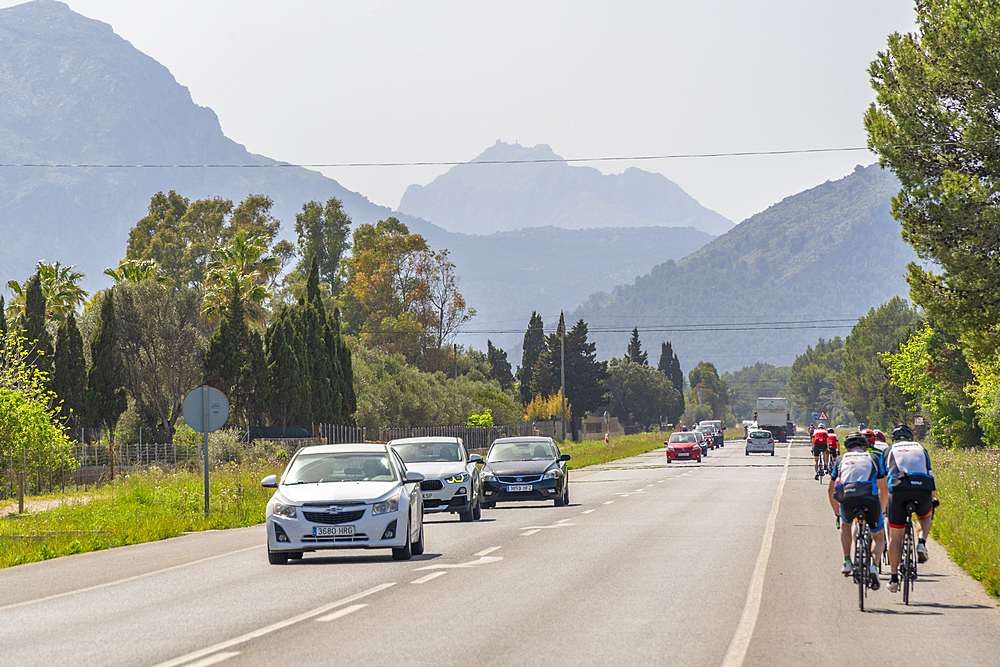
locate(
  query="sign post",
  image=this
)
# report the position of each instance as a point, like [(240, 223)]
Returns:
[(206, 409)]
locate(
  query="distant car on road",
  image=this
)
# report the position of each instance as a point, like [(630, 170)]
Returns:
[(451, 477), (702, 441), (350, 496), (759, 441), (717, 429), (683, 446), (840, 426), (525, 468)]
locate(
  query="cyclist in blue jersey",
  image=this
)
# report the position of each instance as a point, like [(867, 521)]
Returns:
[(910, 480), (857, 480)]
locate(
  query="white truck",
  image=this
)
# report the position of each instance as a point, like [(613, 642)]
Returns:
[(773, 414)]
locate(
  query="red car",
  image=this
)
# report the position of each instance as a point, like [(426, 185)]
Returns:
[(683, 446)]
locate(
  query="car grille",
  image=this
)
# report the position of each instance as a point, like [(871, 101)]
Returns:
[(357, 537), (333, 519), (431, 485), (518, 479)]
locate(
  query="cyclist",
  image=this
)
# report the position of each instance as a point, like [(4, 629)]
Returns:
[(832, 447), (854, 482), (818, 448), (910, 480)]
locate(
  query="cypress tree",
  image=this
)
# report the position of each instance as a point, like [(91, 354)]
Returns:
[(312, 286), (347, 372), (226, 359), (670, 365), (499, 366), (3, 318), (35, 333), (338, 389), (69, 378), (105, 395), (634, 352), (256, 376), (285, 388), (534, 343)]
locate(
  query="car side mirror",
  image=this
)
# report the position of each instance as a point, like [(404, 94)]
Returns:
[(476, 458), (564, 457), (413, 477), (270, 482)]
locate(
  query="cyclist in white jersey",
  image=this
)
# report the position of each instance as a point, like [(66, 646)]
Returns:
[(910, 480)]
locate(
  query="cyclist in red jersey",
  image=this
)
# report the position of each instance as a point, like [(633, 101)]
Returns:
[(832, 447), (819, 445)]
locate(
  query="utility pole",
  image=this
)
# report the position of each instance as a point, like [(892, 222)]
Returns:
[(562, 374), (455, 354)]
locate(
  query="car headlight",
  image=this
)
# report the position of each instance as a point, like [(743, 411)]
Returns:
[(487, 475), (671, 448), (386, 506), (282, 509), (552, 474), (458, 479)]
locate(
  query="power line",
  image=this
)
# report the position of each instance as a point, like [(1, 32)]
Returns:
[(427, 163)]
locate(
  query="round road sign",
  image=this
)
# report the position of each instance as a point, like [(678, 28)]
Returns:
[(206, 409)]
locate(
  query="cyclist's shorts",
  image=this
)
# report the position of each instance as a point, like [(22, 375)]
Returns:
[(835, 451), (871, 505), (818, 448), (896, 509)]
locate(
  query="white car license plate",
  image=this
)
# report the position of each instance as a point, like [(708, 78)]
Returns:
[(683, 454), (518, 487), (333, 531)]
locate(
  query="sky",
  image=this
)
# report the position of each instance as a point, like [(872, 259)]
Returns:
[(374, 82)]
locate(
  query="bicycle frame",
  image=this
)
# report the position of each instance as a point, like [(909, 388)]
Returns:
[(908, 558), (862, 554)]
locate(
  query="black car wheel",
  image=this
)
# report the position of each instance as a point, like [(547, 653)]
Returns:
[(295, 555), (563, 499), (275, 558), (404, 552), (418, 546)]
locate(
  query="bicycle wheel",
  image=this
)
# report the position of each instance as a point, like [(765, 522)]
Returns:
[(860, 568), (908, 561)]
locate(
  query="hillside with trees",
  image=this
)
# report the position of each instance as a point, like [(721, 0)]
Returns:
[(809, 265)]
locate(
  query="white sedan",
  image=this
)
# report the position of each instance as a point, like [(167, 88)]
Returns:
[(357, 496), (451, 477)]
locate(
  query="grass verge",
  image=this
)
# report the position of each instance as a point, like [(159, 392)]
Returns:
[(593, 452), (144, 507), (968, 521)]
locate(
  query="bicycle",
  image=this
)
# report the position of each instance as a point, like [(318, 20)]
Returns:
[(862, 555)]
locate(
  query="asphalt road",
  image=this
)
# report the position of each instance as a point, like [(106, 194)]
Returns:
[(734, 561)]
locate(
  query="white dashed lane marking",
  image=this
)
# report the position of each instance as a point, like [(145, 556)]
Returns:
[(340, 613), (427, 577)]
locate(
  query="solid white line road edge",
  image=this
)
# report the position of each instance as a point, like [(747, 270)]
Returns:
[(748, 621), (194, 655)]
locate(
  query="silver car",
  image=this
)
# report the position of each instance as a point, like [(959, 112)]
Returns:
[(358, 496), (761, 441), (451, 476)]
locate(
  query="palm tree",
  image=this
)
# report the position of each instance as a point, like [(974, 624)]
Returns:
[(137, 270), (60, 287), (242, 269)]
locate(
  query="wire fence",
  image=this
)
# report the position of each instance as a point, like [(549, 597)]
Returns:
[(91, 460)]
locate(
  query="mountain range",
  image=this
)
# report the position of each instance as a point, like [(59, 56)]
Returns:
[(74, 93), (806, 267), (510, 187), (76, 99)]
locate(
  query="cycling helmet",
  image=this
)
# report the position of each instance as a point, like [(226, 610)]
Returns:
[(879, 435), (869, 435), (820, 426), (855, 440), (902, 432), (829, 430)]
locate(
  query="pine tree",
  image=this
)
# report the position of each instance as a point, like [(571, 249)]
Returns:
[(585, 375), (69, 378), (634, 352), (35, 333), (534, 344), (499, 366), (105, 395)]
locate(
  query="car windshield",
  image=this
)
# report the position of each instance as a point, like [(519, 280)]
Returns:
[(339, 467), (682, 437), (521, 451), (429, 452), (760, 434)]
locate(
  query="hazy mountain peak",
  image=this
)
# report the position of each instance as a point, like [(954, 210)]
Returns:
[(509, 186)]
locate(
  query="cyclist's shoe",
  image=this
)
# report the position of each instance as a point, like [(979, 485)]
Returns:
[(873, 581), (817, 475), (847, 568), (921, 552), (894, 584)]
